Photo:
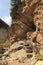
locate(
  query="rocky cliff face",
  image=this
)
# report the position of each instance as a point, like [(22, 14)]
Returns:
[(26, 34), (26, 17)]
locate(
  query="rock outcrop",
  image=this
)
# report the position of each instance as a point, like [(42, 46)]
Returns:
[(20, 52), (26, 34)]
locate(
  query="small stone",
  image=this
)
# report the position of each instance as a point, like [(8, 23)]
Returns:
[(39, 39)]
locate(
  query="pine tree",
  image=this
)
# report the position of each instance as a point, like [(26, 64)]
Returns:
[(14, 6)]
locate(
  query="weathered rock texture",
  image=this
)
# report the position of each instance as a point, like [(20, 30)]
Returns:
[(20, 52), (27, 18), (27, 26)]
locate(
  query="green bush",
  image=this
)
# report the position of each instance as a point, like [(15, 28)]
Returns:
[(39, 56), (6, 44)]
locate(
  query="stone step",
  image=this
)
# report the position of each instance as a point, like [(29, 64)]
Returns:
[(29, 55), (28, 47), (29, 50)]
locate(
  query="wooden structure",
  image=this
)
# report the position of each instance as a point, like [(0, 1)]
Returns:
[(3, 31)]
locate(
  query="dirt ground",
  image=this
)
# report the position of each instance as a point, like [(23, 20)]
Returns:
[(39, 63)]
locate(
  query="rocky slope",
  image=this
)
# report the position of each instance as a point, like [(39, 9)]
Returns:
[(20, 53), (26, 35)]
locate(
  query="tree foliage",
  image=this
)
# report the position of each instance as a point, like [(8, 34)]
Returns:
[(15, 5)]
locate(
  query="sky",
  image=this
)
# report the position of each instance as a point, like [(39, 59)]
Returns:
[(5, 11)]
